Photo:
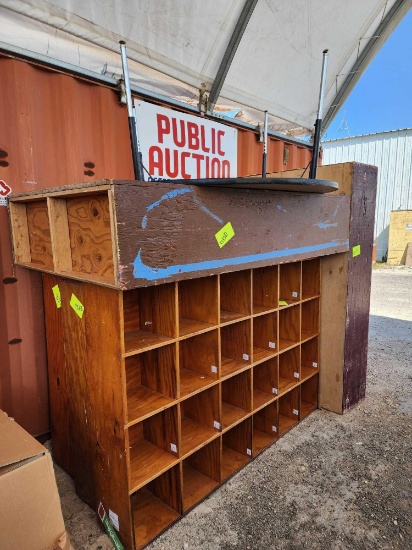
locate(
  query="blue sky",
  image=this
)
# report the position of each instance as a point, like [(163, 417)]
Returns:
[(382, 98)]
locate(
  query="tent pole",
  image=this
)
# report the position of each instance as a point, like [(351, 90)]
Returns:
[(318, 123), (265, 145)]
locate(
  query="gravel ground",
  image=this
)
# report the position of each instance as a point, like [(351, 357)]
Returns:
[(333, 482)]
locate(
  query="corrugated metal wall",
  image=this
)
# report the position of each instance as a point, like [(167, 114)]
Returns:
[(391, 152), (51, 126)]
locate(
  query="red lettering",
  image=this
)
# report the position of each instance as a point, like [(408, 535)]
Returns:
[(193, 136), (213, 141), (215, 168), (183, 158), (172, 173), (225, 169), (207, 167), (198, 158), (163, 127), (220, 134), (203, 139), (182, 141), (155, 161)]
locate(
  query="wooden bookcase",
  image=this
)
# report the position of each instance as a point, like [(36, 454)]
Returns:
[(167, 385)]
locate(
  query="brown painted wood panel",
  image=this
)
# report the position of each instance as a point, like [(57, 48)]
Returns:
[(359, 283), (39, 233), (167, 232)]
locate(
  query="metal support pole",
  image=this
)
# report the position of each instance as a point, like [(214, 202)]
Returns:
[(265, 145), (137, 163), (318, 123)]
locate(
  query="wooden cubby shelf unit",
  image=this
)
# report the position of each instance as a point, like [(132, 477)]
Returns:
[(309, 396), (265, 289), (311, 278), (288, 410), (310, 318), (289, 283), (309, 358), (265, 336), (289, 369), (200, 474), (265, 382), (236, 352), (199, 362), (236, 448), (289, 327), (265, 427)]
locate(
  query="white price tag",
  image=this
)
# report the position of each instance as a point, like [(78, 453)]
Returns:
[(275, 391), (296, 374), (214, 368), (173, 448), (294, 294), (314, 365), (274, 429), (216, 425), (249, 452), (272, 345), (245, 357), (296, 412), (114, 518)]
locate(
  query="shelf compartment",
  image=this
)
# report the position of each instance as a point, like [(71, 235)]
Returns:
[(265, 289), (235, 347), (236, 448), (200, 420), (310, 278), (265, 336), (288, 410), (40, 247), (236, 398), (156, 506), (198, 305), (149, 317), (310, 319), (309, 396), (289, 327), (309, 358), (289, 372), (235, 295), (90, 237), (289, 283), (150, 381), (199, 362), (265, 428), (153, 447), (265, 383), (201, 474)]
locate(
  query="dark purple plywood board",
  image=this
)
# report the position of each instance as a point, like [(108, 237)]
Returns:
[(362, 220), (168, 232)]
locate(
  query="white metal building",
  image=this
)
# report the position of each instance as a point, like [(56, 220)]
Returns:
[(391, 152)]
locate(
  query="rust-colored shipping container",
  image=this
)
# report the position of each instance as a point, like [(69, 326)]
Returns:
[(58, 129)]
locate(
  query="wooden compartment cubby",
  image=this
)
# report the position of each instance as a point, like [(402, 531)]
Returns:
[(265, 427), (151, 381), (265, 336), (199, 362), (265, 289), (236, 448), (310, 318), (289, 327), (309, 362), (289, 283), (149, 317), (200, 420), (235, 296), (236, 398), (198, 305), (288, 410), (265, 382), (200, 474), (235, 342), (309, 396), (289, 371), (38, 226), (156, 506), (310, 278), (153, 447)]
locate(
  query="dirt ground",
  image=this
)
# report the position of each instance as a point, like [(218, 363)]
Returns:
[(334, 482)]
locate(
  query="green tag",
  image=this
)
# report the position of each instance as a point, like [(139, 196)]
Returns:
[(356, 251), (57, 296), (283, 303), (77, 305), (109, 528), (225, 234)]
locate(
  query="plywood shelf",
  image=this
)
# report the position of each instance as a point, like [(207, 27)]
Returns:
[(310, 278), (198, 304), (289, 369), (236, 448), (201, 474), (290, 282), (235, 295), (146, 462), (265, 427), (235, 347), (195, 435), (141, 340), (265, 382), (143, 402), (199, 362), (265, 336), (236, 398), (309, 396), (192, 382), (288, 410), (265, 289)]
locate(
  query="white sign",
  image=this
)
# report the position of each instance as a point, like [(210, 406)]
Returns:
[(180, 146), (4, 191)]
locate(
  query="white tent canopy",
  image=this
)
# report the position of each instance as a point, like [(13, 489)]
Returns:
[(253, 55)]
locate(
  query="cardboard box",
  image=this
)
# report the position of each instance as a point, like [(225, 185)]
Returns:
[(30, 512)]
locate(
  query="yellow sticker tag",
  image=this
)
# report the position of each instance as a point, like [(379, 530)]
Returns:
[(283, 303), (225, 234), (77, 305), (356, 251), (57, 296)]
